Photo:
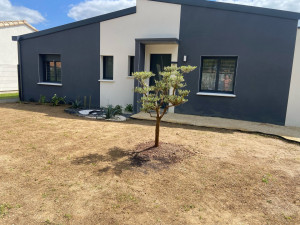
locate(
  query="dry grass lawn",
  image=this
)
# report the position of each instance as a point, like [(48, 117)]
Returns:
[(56, 168)]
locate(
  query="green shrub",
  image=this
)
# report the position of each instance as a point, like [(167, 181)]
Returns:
[(42, 99), (76, 104), (129, 108), (55, 100), (118, 109), (113, 111)]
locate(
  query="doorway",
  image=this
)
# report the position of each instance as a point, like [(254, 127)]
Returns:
[(157, 64)]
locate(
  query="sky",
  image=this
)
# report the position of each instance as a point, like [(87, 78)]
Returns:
[(44, 14)]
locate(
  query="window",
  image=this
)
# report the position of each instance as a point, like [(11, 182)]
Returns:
[(131, 65), (218, 74), (51, 68), (108, 64)]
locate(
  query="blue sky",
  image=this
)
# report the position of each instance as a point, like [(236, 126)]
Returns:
[(44, 14), (54, 11)]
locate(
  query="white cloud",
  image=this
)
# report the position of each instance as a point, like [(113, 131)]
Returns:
[(289, 5), (90, 8), (11, 12)]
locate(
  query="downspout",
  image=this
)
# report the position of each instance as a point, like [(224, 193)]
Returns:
[(20, 81)]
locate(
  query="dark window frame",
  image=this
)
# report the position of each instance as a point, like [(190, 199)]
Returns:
[(46, 60), (104, 58), (131, 65), (219, 58)]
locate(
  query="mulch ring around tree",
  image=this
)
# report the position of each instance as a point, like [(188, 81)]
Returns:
[(166, 154)]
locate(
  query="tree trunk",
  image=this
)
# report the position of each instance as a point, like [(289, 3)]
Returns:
[(157, 132)]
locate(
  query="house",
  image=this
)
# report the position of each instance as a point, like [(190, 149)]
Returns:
[(244, 57), (9, 52)]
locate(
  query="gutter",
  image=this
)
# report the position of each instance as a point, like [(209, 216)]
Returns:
[(20, 81)]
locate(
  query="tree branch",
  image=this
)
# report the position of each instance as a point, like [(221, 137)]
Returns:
[(165, 110), (151, 115)]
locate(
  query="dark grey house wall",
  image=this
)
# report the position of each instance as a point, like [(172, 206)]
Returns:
[(80, 57), (265, 48)]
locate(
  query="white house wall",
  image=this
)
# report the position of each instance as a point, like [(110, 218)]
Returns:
[(9, 56), (117, 39), (293, 109)]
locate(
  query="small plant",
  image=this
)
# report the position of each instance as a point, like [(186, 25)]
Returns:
[(76, 104), (113, 111), (109, 112), (118, 109), (4, 209), (47, 221), (84, 102), (67, 216), (266, 178), (129, 108), (55, 100), (42, 99), (124, 197), (287, 217), (187, 208)]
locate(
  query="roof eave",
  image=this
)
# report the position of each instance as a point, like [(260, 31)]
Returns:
[(236, 8), (96, 19), (15, 23)]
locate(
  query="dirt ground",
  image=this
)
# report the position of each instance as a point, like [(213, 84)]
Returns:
[(56, 168)]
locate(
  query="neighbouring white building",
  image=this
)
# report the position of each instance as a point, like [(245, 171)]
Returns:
[(9, 52)]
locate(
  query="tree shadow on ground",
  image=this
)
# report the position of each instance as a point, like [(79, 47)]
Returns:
[(143, 155), (118, 159)]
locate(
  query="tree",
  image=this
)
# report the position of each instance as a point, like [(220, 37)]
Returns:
[(165, 93)]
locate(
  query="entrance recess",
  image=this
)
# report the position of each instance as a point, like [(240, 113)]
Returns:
[(140, 57), (157, 64)]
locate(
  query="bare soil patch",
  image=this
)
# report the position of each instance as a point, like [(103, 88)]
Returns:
[(166, 154), (56, 168)]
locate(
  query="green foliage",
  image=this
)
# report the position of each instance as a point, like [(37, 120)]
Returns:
[(187, 208), (55, 100), (118, 110), (266, 178), (113, 111), (129, 108), (4, 209), (68, 216), (76, 104), (165, 93), (42, 99), (168, 91)]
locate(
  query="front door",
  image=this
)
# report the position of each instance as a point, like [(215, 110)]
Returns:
[(157, 64)]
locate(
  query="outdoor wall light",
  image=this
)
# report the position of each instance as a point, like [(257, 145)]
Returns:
[(184, 58)]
